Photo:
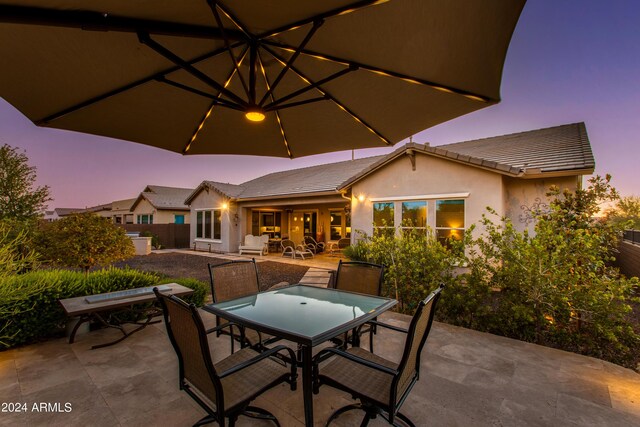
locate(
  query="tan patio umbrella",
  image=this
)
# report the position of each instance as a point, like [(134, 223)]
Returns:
[(285, 78)]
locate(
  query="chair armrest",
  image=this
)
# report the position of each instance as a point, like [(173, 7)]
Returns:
[(260, 357), (353, 358), (385, 325), (225, 325)]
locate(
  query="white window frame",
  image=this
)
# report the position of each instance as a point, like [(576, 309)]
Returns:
[(213, 221)]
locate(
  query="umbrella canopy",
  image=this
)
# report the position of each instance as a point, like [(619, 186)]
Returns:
[(289, 78)]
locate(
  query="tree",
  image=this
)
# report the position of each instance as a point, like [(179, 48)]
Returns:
[(84, 241), (20, 199), (16, 256), (625, 213)]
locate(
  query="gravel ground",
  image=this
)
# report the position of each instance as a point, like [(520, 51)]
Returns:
[(184, 265)]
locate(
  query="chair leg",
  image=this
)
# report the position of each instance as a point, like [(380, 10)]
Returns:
[(406, 422), (205, 420), (405, 419), (261, 414)]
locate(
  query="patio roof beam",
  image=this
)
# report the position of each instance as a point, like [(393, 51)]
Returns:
[(215, 98), (97, 21), (214, 9), (328, 14), (381, 71), (128, 86), (161, 50), (333, 99), (316, 25)]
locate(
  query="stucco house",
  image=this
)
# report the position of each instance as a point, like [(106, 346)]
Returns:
[(446, 188), (57, 213), (161, 205)]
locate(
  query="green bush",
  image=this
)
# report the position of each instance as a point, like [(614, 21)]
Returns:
[(200, 289), (16, 249), (555, 286), (155, 240), (29, 308), (415, 263)]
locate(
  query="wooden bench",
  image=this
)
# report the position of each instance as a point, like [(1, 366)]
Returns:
[(108, 304)]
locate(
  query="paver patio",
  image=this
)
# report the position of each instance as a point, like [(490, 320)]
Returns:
[(468, 378)]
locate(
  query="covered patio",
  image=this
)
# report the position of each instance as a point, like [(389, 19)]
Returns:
[(468, 378)]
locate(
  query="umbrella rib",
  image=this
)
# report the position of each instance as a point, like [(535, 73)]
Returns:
[(98, 21), (243, 28), (381, 71), (214, 10), (125, 88), (274, 104), (210, 109), (298, 103), (316, 25), (334, 99), (284, 135), (166, 53), (218, 101), (329, 14)]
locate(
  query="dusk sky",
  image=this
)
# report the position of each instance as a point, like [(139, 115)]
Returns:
[(568, 61)]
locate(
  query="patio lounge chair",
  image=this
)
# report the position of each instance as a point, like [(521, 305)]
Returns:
[(362, 278), (336, 249), (312, 245), (255, 245), (293, 250), (224, 389), (381, 386), (236, 279)]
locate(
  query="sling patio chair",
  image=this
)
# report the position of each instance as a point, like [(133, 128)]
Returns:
[(224, 389), (381, 386), (231, 280), (363, 278), (312, 245)]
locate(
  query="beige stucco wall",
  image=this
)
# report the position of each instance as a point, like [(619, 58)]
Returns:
[(433, 176), (229, 230), (521, 195), (160, 216)]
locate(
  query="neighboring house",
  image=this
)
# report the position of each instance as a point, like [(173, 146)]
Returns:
[(121, 211), (446, 188), (57, 213), (161, 205)]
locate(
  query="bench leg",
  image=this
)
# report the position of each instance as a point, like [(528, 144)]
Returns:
[(83, 319)]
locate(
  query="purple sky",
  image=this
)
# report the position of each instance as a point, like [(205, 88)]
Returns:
[(569, 61)]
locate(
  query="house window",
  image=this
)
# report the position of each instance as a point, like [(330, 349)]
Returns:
[(208, 224), (266, 222), (383, 214), (449, 220), (145, 219), (178, 219), (414, 215)]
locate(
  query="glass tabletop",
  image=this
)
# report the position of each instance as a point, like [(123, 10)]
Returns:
[(304, 312)]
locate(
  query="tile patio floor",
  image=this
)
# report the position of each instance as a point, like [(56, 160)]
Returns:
[(468, 378)]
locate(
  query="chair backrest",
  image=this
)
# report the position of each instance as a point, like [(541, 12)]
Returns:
[(263, 239), (248, 240), (189, 339), (360, 277), (344, 242), (308, 240), (233, 279), (409, 366), (286, 243)]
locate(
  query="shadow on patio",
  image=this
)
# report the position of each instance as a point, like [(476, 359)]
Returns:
[(468, 378)]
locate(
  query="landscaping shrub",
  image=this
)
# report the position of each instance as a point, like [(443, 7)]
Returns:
[(555, 286), (84, 241), (29, 308), (415, 263), (16, 251)]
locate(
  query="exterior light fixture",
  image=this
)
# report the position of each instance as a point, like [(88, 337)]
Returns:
[(225, 205), (255, 114), (361, 198)]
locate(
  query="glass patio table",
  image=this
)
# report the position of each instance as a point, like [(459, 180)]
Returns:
[(306, 315)]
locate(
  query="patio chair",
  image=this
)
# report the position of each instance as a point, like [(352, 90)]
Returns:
[(293, 250), (231, 280), (362, 278), (312, 245), (224, 389), (337, 249), (381, 386)]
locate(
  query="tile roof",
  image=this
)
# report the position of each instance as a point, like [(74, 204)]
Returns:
[(563, 148), (551, 149), (164, 197)]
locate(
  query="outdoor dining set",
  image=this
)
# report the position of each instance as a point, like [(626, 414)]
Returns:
[(273, 335)]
